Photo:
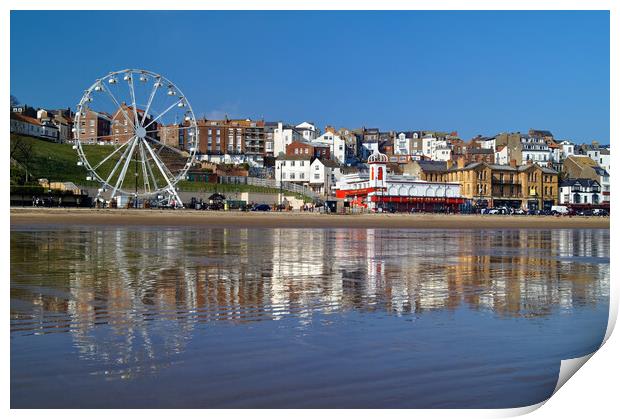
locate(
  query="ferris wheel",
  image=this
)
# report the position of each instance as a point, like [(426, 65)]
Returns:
[(136, 135)]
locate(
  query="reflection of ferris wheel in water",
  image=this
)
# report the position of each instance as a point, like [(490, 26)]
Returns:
[(136, 134)]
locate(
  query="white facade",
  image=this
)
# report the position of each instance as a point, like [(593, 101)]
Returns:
[(323, 176), (605, 161), (293, 170), (488, 143), (307, 130), (580, 191), (319, 175), (282, 137), (402, 144), (604, 181), (536, 150), (442, 153), (26, 127), (369, 148), (501, 156), (568, 149), (602, 158), (383, 185), (336, 145), (428, 146), (49, 131)]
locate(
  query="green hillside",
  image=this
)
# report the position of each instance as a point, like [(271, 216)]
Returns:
[(58, 163)]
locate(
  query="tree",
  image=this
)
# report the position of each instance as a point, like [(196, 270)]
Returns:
[(23, 152), (14, 101)]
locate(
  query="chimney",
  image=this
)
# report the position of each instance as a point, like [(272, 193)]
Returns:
[(513, 163), (461, 162)]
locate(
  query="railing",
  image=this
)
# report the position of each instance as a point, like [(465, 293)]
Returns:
[(270, 183), (497, 181)]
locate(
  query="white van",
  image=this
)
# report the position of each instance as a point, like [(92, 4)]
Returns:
[(559, 209)]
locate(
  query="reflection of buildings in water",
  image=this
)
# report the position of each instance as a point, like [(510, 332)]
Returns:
[(302, 276), (119, 279), (146, 289), (139, 277)]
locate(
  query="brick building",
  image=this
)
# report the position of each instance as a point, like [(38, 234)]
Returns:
[(301, 148), (232, 136)]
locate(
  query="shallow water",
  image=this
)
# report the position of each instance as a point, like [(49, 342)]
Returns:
[(145, 317)]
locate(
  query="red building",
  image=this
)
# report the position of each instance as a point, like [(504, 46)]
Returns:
[(383, 192)]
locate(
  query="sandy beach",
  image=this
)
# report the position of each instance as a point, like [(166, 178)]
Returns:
[(116, 217)]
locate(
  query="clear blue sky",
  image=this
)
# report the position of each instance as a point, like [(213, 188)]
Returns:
[(473, 72)]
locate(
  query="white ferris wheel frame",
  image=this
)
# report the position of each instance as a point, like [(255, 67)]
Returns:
[(136, 140)]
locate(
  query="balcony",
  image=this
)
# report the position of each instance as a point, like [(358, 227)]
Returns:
[(514, 182)]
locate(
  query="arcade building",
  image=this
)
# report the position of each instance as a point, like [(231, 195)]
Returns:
[(381, 192)]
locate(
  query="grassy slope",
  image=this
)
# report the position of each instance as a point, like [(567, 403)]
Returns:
[(58, 163)]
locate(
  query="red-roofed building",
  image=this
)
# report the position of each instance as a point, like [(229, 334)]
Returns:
[(25, 125)]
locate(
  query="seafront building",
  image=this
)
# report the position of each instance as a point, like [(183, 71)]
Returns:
[(380, 191), (583, 167), (575, 192), (485, 185)]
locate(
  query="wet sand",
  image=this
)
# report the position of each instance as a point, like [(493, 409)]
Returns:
[(189, 218)]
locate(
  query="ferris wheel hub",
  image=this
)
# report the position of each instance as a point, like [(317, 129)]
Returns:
[(141, 132)]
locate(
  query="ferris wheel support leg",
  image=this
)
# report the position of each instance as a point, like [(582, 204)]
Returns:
[(161, 166), (176, 197), (121, 177)]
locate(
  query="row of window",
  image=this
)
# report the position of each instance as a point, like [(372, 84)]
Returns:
[(302, 176)]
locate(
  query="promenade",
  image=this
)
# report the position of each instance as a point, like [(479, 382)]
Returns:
[(125, 217)]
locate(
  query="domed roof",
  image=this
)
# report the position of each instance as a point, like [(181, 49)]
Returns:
[(377, 157)]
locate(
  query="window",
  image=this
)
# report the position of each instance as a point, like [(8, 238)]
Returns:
[(293, 163), (301, 163), (301, 176), (317, 175), (293, 175)]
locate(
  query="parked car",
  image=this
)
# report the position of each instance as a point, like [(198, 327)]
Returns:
[(261, 207), (497, 211), (586, 213), (519, 211), (600, 212)]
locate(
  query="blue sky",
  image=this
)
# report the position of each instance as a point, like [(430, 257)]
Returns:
[(471, 72)]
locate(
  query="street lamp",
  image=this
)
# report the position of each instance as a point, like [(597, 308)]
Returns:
[(280, 196)]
